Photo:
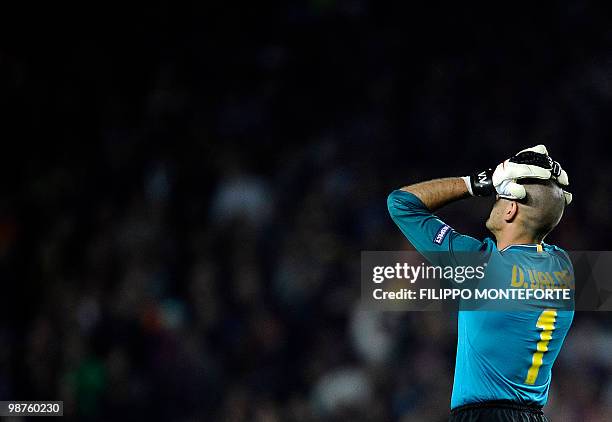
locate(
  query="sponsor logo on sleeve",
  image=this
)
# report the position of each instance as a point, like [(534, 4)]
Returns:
[(441, 234)]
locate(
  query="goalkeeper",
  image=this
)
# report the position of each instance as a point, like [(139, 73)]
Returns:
[(504, 359)]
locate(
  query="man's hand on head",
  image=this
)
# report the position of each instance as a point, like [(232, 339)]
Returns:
[(530, 163)]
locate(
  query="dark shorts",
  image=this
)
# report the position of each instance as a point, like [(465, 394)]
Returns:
[(494, 411)]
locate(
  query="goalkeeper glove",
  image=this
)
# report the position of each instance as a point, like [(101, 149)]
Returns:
[(532, 163)]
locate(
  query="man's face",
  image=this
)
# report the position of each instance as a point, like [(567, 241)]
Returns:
[(495, 220)]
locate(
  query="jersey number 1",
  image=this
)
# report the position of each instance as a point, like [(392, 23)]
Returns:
[(546, 322)]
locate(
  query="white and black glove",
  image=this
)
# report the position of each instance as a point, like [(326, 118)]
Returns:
[(530, 163)]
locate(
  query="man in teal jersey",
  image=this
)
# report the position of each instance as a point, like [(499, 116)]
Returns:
[(504, 359)]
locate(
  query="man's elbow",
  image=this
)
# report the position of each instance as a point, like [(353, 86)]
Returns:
[(402, 204), (395, 203)]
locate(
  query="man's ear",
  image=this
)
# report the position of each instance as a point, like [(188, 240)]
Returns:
[(510, 211)]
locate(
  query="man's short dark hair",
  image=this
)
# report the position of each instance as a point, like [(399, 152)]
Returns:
[(541, 210)]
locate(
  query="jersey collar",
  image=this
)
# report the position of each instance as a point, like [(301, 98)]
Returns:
[(531, 247)]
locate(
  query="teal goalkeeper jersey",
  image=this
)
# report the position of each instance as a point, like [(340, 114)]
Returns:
[(500, 355)]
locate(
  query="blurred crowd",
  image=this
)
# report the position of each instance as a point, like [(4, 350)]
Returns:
[(182, 221)]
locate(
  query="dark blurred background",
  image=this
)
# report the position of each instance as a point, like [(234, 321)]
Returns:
[(186, 190)]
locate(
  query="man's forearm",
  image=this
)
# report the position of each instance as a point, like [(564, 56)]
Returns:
[(439, 192)]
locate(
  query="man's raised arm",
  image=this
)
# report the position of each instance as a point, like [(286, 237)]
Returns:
[(411, 209), (436, 193)]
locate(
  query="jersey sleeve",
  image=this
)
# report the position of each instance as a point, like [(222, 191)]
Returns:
[(429, 235)]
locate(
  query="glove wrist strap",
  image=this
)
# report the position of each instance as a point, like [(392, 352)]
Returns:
[(468, 184), (482, 183)]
